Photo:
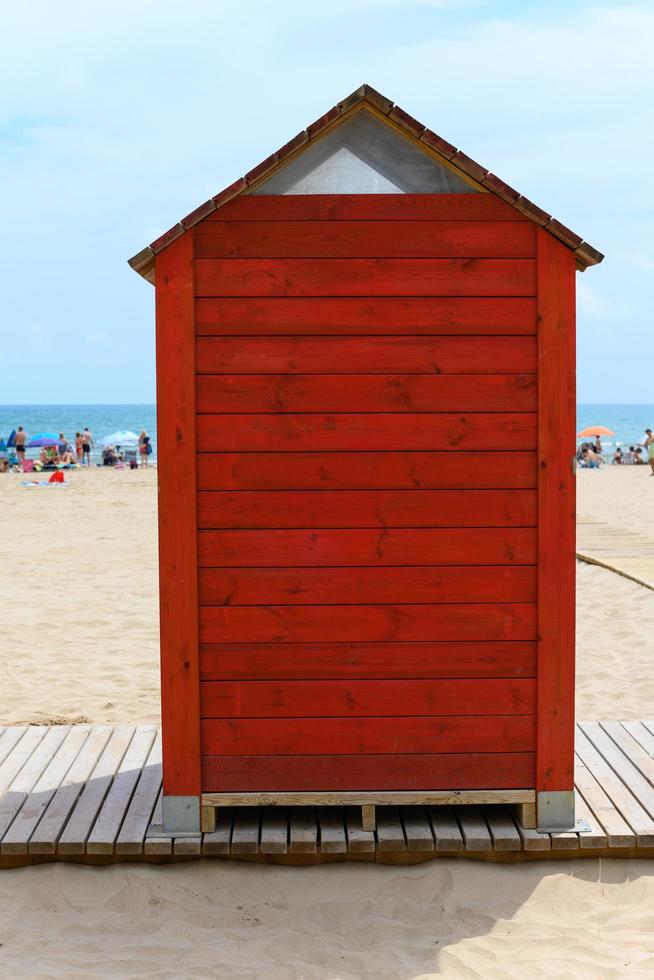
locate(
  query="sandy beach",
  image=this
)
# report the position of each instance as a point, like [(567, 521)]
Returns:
[(80, 643)]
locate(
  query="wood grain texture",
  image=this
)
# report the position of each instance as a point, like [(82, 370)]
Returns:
[(353, 698), (366, 393), (368, 736), (556, 505), (366, 432), (514, 770), (338, 315), (371, 355), (367, 471), (397, 546), (365, 277), (367, 207), (360, 624), (366, 508), (353, 586), (324, 661), (177, 513), (356, 239)]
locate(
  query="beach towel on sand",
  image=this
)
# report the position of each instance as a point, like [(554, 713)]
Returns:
[(42, 483)]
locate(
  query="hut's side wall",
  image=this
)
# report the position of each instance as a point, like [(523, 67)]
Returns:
[(367, 502), (178, 595), (556, 508)]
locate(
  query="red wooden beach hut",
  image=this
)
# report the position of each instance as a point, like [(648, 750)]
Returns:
[(366, 428)]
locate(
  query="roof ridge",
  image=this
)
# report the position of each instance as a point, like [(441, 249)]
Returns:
[(143, 261)]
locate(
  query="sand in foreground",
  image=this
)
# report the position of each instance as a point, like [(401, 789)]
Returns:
[(218, 919)]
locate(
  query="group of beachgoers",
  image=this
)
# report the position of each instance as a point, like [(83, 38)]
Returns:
[(66, 454), (590, 454)]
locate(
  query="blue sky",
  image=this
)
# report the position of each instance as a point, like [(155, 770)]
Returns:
[(117, 118)]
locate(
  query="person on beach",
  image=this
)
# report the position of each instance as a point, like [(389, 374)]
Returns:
[(648, 444), (589, 458), (62, 445), (87, 442), (21, 439), (78, 446), (617, 456), (144, 448)]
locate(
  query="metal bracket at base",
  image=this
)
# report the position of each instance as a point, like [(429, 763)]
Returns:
[(556, 812), (181, 816)]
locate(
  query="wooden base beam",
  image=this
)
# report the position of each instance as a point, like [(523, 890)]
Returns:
[(371, 798), (208, 819), (526, 815), (368, 817)]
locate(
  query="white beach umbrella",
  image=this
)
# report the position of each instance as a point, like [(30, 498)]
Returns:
[(122, 438)]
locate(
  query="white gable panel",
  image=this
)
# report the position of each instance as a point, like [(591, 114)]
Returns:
[(364, 156)]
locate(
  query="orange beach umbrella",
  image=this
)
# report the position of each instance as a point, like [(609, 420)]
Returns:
[(595, 430)]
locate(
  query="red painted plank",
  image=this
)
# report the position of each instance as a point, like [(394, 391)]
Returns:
[(366, 393), (357, 239), (297, 661), (352, 698), (371, 431), (177, 513), (365, 277), (367, 207), (366, 508), (314, 586), (366, 355), (490, 770), (373, 623), (367, 315), (556, 501), (361, 471), (404, 546), (366, 736)]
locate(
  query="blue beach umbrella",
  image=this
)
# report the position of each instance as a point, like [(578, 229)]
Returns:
[(11, 441), (43, 439)]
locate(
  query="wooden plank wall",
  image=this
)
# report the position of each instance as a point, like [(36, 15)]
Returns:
[(177, 502), (367, 493)]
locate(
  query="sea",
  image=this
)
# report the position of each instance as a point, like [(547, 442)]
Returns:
[(627, 421)]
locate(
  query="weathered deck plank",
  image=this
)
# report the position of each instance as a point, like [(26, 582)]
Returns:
[(25, 780), (107, 826), (332, 831), (50, 827), (139, 814), (446, 830), (76, 833)]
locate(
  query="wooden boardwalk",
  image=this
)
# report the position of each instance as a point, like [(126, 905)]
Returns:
[(630, 555), (92, 793)]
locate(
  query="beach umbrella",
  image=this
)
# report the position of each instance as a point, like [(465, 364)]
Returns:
[(43, 439), (122, 438), (11, 441), (595, 430)]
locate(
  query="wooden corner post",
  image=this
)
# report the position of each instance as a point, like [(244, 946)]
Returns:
[(556, 534), (180, 683)]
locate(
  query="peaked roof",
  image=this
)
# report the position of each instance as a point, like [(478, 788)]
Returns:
[(473, 172)]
